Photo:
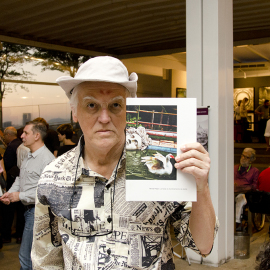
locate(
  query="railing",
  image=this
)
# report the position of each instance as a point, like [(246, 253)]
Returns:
[(151, 124)]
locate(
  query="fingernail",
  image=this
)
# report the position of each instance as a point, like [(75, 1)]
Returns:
[(183, 147)]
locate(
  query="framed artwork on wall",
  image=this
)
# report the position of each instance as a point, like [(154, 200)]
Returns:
[(241, 93), (264, 93), (181, 92)]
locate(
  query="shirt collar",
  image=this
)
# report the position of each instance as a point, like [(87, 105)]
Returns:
[(30, 154)]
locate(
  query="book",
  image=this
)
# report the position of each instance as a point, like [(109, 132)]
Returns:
[(155, 129)]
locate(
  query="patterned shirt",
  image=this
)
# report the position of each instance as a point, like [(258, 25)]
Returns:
[(73, 219)]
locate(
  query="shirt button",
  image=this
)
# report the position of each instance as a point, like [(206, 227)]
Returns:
[(109, 219)]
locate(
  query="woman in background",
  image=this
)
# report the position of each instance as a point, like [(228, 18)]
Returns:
[(65, 133)]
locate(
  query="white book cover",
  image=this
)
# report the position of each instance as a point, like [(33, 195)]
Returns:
[(155, 130)]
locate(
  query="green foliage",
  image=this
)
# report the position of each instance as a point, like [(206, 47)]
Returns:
[(57, 60), (12, 57), (131, 119)]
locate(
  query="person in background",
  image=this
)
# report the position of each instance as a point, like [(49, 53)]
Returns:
[(245, 179), (267, 134), (65, 133), (51, 140), (264, 180), (2, 190), (2, 168), (244, 121), (238, 136), (24, 187), (12, 171), (263, 115), (22, 151)]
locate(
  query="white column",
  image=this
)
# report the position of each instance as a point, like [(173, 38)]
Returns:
[(210, 80)]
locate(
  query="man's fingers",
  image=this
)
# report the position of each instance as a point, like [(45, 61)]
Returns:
[(196, 146), (190, 162), (196, 172), (202, 156)]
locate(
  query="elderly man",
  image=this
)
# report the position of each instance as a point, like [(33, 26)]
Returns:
[(82, 218), (246, 176), (24, 187), (245, 179)]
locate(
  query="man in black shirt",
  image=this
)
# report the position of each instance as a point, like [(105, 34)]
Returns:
[(10, 162)]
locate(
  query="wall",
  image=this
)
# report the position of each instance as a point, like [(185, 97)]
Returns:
[(179, 80), (151, 71), (153, 86)]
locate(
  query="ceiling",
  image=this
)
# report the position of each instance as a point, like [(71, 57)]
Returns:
[(127, 28)]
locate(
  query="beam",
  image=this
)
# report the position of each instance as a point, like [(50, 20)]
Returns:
[(49, 46), (28, 82)]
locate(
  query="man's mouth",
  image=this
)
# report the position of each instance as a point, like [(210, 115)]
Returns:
[(104, 130)]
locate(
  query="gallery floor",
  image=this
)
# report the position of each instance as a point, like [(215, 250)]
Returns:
[(10, 261)]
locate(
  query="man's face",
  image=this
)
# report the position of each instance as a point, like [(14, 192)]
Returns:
[(245, 159), (266, 104), (28, 137), (101, 112)]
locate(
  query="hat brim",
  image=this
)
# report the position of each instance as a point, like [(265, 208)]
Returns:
[(69, 83)]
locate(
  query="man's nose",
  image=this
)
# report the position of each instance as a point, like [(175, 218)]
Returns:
[(104, 116)]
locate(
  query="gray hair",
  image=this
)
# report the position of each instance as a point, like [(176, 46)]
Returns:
[(73, 102), (253, 153), (38, 127)]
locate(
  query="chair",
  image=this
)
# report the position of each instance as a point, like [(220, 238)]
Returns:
[(259, 205)]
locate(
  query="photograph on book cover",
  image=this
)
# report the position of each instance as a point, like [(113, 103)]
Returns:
[(155, 129)]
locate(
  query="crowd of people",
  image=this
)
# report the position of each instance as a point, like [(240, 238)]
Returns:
[(248, 178), (26, 152), (241, 123)]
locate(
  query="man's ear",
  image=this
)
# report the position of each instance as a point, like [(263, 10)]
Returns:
[(74, 116), (37, 136)]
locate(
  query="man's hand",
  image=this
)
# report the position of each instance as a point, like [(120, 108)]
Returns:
[(5, 198), (14, 196), (195, 161)]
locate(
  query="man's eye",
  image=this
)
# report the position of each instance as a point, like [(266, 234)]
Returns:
[(116, 105), (91, 105)]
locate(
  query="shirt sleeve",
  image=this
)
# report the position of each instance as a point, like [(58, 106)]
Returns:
[(258, 109), (28, 196), (180, 221), (267, 129), (46, 254), (16, 185)]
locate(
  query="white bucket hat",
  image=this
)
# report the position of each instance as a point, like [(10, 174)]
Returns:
[(101, 69)]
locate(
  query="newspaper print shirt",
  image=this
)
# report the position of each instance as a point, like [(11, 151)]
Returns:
[(140, 238)]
